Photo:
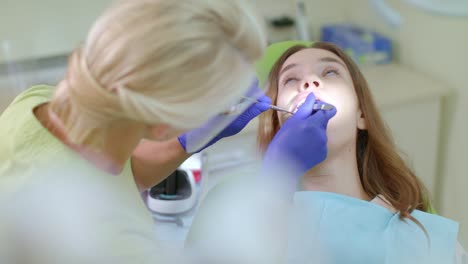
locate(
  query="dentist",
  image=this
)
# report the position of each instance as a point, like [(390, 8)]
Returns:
[(75, 157)]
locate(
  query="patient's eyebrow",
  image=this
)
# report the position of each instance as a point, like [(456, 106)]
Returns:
[(292, 65), (331, 59)]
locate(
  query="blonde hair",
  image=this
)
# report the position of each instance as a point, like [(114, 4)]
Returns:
[(159, 61)]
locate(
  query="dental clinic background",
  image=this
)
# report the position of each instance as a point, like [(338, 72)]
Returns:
[(423, 91)]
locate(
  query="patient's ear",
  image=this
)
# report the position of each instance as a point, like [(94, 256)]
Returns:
[(361, 121)]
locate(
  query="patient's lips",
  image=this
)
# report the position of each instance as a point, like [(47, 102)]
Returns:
[(298, 100)]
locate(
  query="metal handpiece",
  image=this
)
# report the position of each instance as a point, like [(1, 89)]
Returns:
[(319, 106)]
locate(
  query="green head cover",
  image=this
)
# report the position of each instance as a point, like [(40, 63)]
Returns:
[(272, 54)]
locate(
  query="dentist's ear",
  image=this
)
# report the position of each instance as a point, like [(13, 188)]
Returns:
[(158, 132), (361, 121)]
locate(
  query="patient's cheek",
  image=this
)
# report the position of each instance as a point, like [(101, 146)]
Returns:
[(283, 118)]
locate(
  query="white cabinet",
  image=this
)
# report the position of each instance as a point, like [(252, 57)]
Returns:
[(410, 104)]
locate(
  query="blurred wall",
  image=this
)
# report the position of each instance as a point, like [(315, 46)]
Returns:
[(32, 29), (46, 27)]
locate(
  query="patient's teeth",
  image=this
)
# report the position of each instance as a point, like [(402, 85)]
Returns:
[(299, 105)]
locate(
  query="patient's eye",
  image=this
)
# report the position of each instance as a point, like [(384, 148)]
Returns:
[(328, 72), (290, 81)]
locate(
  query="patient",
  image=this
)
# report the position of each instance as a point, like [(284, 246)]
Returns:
[(362, 204), (363, 188), (362, 161)]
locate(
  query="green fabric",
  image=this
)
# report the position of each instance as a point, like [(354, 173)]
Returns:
[(431, 208), (271, 55), (60, 189)]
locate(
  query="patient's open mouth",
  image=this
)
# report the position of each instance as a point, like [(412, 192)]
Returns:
[(299, 100)]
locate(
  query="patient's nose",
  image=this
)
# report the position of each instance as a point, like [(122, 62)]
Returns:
[(308, 85)]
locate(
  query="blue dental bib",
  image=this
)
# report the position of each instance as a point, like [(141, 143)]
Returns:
[(331, 228)]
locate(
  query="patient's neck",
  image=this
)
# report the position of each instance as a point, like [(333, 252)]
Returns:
[(338, 173)]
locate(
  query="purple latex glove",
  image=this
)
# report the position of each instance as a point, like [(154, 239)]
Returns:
[(238, 124), (299, 145)]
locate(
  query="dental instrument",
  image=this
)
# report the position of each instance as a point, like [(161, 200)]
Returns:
[(317, 106)]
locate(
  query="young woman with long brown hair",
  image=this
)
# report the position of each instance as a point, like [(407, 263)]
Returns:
[(362, 203)]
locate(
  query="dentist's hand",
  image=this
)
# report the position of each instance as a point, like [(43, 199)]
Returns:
[(299, 145), (238, 124)]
